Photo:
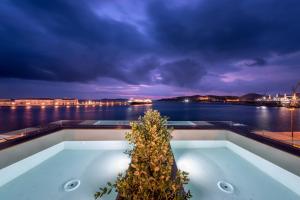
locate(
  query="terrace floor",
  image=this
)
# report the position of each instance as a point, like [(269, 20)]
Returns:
[(285, 137)]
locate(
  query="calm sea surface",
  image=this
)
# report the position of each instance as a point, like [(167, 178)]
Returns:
[(275, 119)]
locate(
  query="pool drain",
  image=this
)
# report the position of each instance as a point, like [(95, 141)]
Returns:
[(225, 187), (71, 185)]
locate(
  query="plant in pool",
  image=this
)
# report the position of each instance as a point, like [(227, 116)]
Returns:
[(152, 174)]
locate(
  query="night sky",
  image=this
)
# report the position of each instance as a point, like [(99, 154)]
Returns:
[(132, 48)]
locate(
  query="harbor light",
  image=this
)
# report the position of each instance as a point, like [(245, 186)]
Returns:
[(186, 100), (292, 122), (139, 101)]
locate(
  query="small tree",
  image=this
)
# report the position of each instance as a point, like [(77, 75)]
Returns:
[(152, 174)]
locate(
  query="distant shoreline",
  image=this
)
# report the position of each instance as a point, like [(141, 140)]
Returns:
[(230, 103), (271, 104)]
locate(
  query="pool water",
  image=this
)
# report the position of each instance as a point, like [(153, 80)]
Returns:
[(113, 122), (209, 163), (170, 123), (43, 175), (92, 166)]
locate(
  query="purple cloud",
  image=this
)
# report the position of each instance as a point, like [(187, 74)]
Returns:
[(147, 48)]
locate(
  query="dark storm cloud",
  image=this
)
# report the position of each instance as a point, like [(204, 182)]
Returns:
[(74, 20), (206, 44), (64, 41), (183, 73), (233, 28)]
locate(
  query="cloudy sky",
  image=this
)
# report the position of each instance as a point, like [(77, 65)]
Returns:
[(125, 48)]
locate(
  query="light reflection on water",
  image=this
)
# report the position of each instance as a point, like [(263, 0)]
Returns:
[(268, 118)]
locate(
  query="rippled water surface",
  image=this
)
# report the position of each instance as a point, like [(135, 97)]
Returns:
[(269, 118)]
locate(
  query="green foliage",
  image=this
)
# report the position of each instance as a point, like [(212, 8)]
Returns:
[(105, 190), (151, 174)]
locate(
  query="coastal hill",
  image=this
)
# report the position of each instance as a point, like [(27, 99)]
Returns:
[(250, 97)]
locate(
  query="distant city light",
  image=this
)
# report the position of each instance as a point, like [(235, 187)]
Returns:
[(284, 100), (186, 100), (56, 102), (139, 101)]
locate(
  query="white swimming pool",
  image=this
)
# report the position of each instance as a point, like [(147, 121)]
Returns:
[(43, 175), (93, 163), (251, 177)]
